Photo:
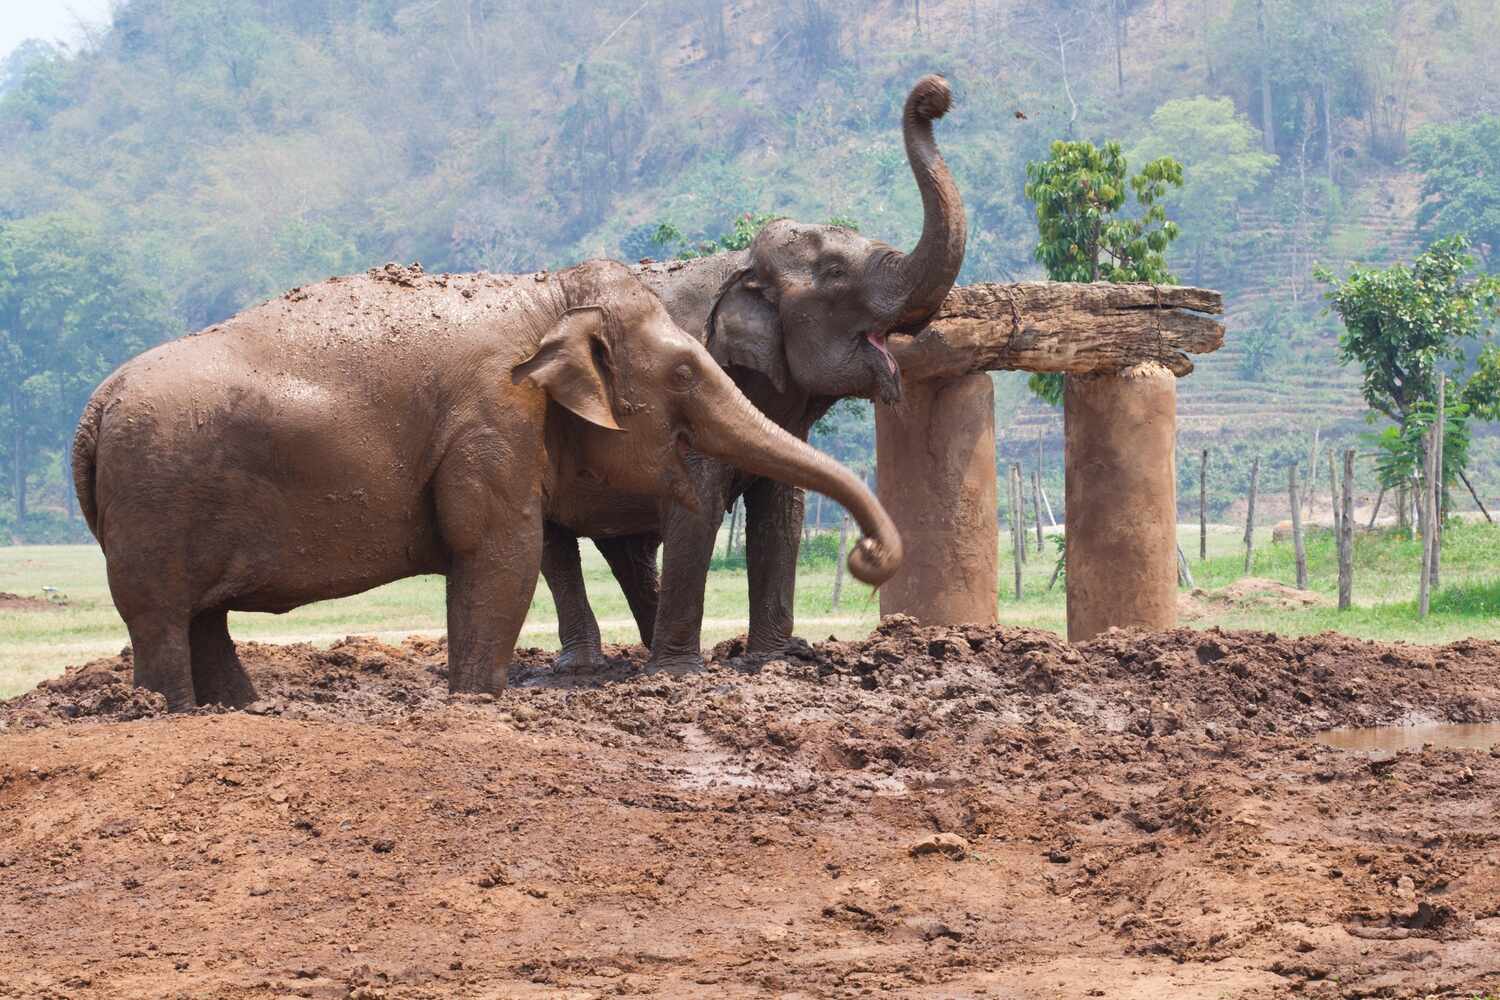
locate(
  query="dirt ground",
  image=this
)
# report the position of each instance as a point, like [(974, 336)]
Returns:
[(19, 602), (1250, 593), (932, 812)]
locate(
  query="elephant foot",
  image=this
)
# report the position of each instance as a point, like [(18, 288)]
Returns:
[(585, 657), (675, 664), (768, 646)]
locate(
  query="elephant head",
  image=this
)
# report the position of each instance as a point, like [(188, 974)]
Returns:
[(648, 394), (814, 304)]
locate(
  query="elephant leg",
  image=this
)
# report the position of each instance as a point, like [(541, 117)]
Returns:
[(162, 657), (489, 592), (632, 559), (492, 528), (219, 678), (577, 629), (773, 535), (687, 548)]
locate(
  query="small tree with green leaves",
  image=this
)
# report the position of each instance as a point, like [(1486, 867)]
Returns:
[(1406, 325), (1080, 192)]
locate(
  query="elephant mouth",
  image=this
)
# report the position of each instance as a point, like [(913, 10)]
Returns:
[(877, 341), (887, 372)]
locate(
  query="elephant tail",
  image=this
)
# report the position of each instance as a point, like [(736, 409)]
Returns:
[(85, 447)]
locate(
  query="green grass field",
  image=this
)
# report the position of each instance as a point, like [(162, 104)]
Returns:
[(38, 643)]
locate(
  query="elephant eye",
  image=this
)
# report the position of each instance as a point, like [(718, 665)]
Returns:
[(683, 375)]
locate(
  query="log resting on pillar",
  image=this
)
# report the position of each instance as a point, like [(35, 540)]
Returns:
[(936, 453), (1120, 438), (937, 473)]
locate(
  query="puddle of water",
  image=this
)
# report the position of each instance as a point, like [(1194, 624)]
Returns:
[(1389, 739)]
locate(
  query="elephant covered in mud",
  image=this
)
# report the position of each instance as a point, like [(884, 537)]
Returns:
[(375, 427), (799, 320)]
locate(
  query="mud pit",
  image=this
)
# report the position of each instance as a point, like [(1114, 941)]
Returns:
[(933, 812)]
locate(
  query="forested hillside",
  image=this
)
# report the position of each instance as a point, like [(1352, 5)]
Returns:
[(196, 156)]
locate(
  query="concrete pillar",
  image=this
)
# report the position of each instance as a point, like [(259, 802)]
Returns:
[(1122, 500), (936, 456)]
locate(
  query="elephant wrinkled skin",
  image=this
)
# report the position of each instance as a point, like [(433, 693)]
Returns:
[(381, 426), (799, 320)]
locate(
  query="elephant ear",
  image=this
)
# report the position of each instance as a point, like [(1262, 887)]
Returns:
[(572, 366), (744, 329)]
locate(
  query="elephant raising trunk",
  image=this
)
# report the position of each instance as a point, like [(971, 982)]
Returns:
[(923, 277)]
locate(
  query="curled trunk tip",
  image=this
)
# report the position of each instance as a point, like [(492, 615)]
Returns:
[(874, 562), (930, 98)]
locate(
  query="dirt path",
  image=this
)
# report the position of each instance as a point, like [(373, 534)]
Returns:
[(928, 813)]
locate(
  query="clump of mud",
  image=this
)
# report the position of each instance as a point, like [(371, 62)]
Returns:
[(1129, 682)]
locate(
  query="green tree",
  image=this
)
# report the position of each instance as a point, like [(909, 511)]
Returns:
[(1405, 325), (1460, 166), (1310, 66), (1220, 151), (1080, 192), (70, 310)]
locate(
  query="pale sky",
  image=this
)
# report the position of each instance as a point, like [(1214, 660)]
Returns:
[(53, 20)]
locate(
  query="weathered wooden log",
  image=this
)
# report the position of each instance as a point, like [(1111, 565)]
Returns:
[(1043, 326)]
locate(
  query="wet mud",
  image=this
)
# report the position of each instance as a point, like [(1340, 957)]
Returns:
[(953, 812)]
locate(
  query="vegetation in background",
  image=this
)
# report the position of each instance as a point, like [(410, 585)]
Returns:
[(71, 308), (1460, 165), (226, 151), (1407, 325), (1079, 192), (1219, 155)]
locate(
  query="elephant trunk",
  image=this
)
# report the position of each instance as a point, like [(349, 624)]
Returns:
[(727, 426), (923, 277)]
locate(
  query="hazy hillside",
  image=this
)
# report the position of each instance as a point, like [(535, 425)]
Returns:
[(219, 151)]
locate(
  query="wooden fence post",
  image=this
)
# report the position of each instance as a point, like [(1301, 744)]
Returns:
[(1036, 505), (1203, 506), (1346, 535), (1333, 494), (1017, 526), (1312, 476), (1379, 499), (1184, 574), (734, 516), (1297, 546), (1470, 487), (1429, 534), (1250, 515), (1020, 507), (1437, 487), (838, 565)]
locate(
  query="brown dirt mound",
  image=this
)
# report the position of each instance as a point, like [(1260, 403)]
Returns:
[(1142, 815), (19, 602), (1256, 592)]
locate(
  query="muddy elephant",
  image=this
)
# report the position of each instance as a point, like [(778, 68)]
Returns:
[(799, 320), (370, 428)]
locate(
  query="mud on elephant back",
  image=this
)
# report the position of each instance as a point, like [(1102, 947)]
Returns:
[(390, 424), (798, 321)]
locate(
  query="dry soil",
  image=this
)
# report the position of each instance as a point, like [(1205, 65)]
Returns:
[(932, 812)]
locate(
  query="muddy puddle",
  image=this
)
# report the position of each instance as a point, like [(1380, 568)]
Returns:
[(1387, 740)]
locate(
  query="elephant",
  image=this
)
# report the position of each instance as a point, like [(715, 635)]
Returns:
[(799, 320), (369, 428)]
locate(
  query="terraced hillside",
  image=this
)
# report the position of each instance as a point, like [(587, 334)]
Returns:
[(1270, 293)]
